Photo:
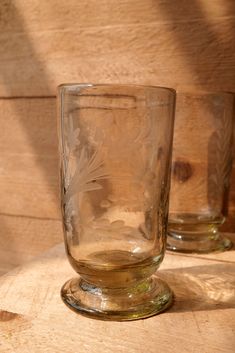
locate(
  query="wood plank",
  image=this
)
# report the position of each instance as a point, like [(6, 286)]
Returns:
[(35, 15), (201, 319), (29, 158), (29, 199), (152, 38), (22, 238), (181, 55), (33, 77), (40, 115)]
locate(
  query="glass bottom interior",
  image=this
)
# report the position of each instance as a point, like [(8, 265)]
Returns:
[(141, 300)]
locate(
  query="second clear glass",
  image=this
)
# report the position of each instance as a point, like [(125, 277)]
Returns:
[(202, 163)]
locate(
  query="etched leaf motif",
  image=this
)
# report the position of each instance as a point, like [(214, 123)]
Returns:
[(220, 161), (69, 212), (73, 134), (86, 174), (87, 170)]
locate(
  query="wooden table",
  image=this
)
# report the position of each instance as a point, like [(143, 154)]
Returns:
[(34, 319)]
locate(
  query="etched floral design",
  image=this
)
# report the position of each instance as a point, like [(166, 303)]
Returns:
[(86, 174), (85, 169), (220, 161), (73, 134)]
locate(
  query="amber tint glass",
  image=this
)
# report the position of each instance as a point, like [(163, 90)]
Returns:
[(202, 161), (115, 148)]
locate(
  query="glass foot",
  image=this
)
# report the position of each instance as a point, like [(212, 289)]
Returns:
[(198, 244), (145, 299)]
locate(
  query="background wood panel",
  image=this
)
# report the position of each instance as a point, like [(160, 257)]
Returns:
[(157, 42), (22, 238), (88, 13), (29, 160), (144, 53), (45, 43)]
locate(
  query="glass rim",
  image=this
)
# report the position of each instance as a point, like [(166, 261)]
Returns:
[(131, 85)]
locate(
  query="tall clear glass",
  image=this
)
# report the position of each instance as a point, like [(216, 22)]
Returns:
[(202, 162), (115, 149)]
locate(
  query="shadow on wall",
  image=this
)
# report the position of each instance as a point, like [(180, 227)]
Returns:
[(17, 47), (206, 57), (15, 43)]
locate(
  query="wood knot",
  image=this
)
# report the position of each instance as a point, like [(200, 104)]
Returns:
[(8, 315), (182, 171), (159, 153), (11, 322)]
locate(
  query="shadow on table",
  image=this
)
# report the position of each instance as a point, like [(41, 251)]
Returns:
[(201, 288)]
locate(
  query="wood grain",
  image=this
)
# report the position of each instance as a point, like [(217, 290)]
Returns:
[(157, 42), (201, 319), (22, 238), (86, 13), (29, 158)]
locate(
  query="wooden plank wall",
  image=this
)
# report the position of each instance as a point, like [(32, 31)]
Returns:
[(182, 44)]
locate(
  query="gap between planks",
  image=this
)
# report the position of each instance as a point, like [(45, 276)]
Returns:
[(30, 217), (28, 97)]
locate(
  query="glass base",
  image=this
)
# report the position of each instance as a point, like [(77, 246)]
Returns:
[(198, 243), (144, 299)]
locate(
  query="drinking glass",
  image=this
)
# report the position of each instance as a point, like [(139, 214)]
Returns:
[(115, 151), (202, 162)]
